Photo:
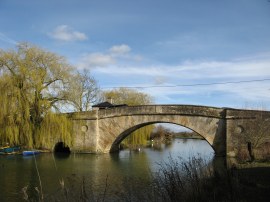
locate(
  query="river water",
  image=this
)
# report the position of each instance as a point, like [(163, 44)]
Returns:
[(106, 171)]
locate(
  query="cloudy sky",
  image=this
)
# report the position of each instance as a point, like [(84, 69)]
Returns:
[(203, 52)]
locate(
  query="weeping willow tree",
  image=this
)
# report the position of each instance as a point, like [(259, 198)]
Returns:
[(138, 137), (51, 124), (32, 82), (132, 97)]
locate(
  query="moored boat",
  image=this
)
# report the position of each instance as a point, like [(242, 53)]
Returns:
[(10, 150), (30, 153)]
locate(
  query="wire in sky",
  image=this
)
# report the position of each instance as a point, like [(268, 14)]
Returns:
[(190, 85)]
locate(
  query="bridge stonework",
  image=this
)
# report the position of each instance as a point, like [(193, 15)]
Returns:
[(101, 131)]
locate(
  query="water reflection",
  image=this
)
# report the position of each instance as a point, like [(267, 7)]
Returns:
[(17, 171)]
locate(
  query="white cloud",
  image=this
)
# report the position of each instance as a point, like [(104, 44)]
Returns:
[(230, 95), (119, 50), (190, 73), (114, 55), (177, 78), (158, 80), (96, 60), (205, 70), (66, 33)]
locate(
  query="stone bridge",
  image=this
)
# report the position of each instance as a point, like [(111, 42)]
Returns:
[(101, 131)]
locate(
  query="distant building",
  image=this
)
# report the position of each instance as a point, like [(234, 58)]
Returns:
[(106, 105)]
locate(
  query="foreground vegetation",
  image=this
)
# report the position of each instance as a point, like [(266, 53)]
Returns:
[(175, 180)]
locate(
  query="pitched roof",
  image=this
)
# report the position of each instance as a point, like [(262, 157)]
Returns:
[(103, 105)]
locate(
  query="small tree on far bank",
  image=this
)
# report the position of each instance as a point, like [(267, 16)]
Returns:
[(161, 133)]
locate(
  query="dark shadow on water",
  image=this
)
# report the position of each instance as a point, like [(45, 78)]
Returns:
[(61, 155)]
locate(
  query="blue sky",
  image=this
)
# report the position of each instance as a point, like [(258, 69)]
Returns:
[(155, 43)]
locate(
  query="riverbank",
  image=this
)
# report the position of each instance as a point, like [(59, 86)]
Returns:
[(188, 180)]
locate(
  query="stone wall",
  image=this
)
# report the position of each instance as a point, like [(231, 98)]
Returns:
[(85, 131), (246, 127)]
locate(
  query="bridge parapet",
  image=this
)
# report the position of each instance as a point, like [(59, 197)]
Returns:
[(246, 114), (191, 110), (89, 115)]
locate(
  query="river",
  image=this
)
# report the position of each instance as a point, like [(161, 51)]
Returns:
[(106, 171)]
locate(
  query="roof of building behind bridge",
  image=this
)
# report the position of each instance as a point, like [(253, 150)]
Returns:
[(104, 105)]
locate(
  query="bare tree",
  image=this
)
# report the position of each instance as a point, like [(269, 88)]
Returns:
[(85, 91)]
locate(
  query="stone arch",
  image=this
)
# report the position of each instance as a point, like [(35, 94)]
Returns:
[(124, 134), (112, 130), (61, 147)]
